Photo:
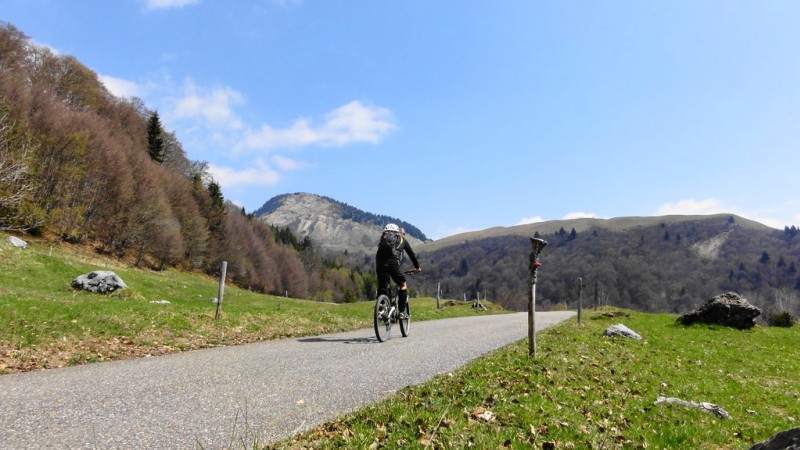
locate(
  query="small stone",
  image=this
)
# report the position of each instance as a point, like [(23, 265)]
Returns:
[(621, 330)]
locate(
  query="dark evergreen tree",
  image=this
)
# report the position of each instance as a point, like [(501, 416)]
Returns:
[(764, 258), (155, 141), (215, 191)]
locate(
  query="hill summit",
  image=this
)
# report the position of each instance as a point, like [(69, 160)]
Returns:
[(332, 226)]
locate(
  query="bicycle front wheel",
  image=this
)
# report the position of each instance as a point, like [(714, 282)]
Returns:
[(405, 321), (381, 319)]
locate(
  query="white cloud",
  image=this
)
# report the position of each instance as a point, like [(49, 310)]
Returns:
[(443, 231), (691, 207), (351, 123), (579, 215), (357, 122), (568, 216), (527, 220), (260, 175), (206, 120), (215, 106), (167, 4), (285, 163), (768, 221), (212, 111), (52, 49), (120, 87)]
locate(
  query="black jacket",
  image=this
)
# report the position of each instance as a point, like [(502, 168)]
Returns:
[(386, 254)]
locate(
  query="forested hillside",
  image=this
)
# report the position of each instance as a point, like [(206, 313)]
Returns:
[(668, 267), (81, 165)]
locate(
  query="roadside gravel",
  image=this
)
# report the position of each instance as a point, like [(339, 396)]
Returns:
[(229, 397)]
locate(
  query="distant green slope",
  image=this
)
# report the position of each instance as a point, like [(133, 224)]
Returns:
[(656, 264), (618, 224)]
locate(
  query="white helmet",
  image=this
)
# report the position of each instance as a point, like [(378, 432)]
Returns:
[(391, 227)]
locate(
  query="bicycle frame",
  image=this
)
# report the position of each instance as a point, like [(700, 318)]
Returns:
[(387, 314)]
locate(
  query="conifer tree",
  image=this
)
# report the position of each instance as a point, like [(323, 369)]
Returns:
[(215, 191), (155, 142)]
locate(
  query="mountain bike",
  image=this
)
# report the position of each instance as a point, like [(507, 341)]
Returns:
[(387, 315)]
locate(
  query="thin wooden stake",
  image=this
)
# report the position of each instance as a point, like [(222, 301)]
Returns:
[(536, 247), (223, 271)]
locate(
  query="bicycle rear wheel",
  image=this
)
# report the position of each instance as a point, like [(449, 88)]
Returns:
[(405, 322), (381, 319)]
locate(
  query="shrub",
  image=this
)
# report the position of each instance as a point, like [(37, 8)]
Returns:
[(782, 319)]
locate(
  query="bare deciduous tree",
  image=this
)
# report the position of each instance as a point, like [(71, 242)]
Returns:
[(15, 181)]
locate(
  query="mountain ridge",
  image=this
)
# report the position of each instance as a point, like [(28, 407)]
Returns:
[(580, 225), (332, 226), (656, 263)]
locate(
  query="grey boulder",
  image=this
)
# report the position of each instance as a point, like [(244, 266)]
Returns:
[(785, 440), (623, 331), (99, 281), (728, 310), (17, 242)]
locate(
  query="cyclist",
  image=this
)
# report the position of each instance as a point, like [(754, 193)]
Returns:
[(387, 263)]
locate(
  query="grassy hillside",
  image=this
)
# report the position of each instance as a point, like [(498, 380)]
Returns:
[(45, 323), (585, 390), (615, 225)]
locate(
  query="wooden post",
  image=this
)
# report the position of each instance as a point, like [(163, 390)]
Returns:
[(580, 298), (536, 247), (532, 322), (223, 271), (438, 291)]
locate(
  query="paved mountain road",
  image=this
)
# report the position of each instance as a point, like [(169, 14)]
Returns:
[(227, 397)]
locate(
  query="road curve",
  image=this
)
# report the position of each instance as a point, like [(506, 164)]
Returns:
[(229, 397)]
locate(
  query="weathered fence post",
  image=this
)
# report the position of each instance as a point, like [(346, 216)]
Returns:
[(438, 292), (536, 247), (580, 298), (223, 271), (596, 294)]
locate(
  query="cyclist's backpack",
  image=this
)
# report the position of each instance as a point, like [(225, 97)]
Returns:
[(391, 240)]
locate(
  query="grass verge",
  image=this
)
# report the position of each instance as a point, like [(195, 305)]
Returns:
[(585, 390), (45, 323)]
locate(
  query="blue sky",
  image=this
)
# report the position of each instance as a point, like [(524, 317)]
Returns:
[(459, 116)]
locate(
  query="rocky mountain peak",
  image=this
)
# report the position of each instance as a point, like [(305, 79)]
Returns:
[(333, 226)]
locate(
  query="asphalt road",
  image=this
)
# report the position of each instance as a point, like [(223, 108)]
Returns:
[(228, 397)]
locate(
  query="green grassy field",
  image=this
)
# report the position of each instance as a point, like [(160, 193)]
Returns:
[(588, 391), (45, 323)]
